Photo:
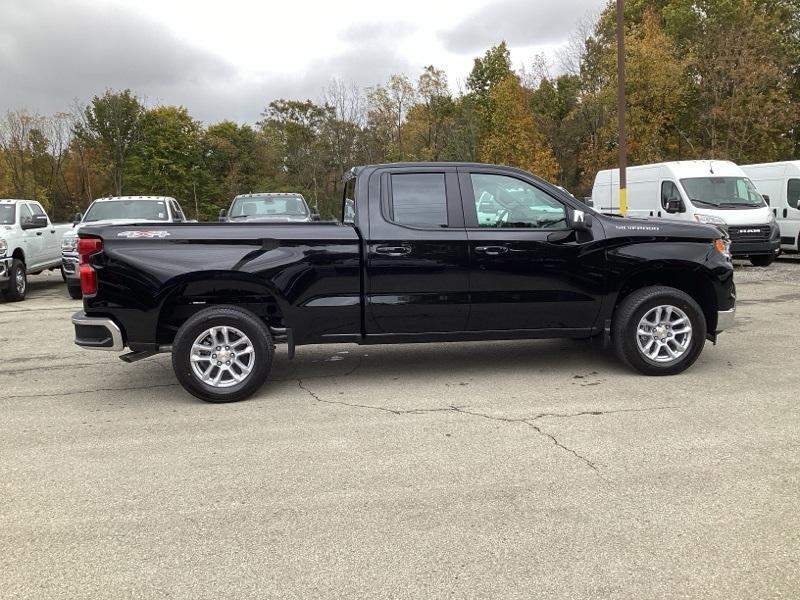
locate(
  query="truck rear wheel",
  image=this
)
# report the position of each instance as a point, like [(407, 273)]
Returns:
[(659, 330), (17, 282), (222, 354)]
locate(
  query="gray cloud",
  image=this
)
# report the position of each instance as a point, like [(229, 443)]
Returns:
[(518, 22), (54, 52)]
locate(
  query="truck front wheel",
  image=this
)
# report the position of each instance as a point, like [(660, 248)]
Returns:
[(18, 282), (222, 354), (659, 330)]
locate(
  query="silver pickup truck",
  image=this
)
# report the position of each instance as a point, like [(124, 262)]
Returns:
[(115, 210), (29, 244)]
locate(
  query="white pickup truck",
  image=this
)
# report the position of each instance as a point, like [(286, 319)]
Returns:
[(29, 244), (114, 210)]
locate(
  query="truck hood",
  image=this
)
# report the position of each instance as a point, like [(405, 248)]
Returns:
[(273, 219), (738, 216), (627, 227)]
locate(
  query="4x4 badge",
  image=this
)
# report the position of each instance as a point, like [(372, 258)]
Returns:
[(143, 234)]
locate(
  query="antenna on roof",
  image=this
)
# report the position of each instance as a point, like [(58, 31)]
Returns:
[(711, 167)]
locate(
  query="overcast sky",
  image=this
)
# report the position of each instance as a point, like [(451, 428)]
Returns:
[(230, 58)]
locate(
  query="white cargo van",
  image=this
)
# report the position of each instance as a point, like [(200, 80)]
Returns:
[(704, 191), (780, 181)]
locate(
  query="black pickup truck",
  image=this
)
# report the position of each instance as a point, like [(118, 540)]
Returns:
[(424, 252)]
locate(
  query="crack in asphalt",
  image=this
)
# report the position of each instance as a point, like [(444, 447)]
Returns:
[(529, 421), (77, 392)]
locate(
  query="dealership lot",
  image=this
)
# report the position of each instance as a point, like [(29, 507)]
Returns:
[(503, 470)]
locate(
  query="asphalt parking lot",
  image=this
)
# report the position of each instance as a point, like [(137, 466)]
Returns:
[(528, 469)]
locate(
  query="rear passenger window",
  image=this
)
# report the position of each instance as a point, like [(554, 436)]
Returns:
[(419, 199), (793, 193)]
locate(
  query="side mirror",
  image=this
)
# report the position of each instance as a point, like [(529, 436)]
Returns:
[(77, 218), (766, 198), (223, 214), (674, 205), (581, 221), (315, 216)]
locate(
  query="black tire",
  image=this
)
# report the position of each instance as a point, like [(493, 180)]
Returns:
[(762, 260), (17, 282), (74, 291), (229, 316), (626, 322), (63, 274)]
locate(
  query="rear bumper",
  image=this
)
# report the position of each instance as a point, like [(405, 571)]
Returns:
[(97, 333), (5, 268)]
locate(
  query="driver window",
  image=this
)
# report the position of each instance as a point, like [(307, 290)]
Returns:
[(669, 191), (503, 201)]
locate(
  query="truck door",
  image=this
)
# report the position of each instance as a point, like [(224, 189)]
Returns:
[(51, 244), (33, 239), (417, 258), (528, 270)]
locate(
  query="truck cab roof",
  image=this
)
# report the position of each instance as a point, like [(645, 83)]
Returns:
[(129, 198)]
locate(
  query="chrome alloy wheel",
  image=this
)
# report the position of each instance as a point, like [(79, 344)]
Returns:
[(222, 357), (19, 280), (664, 334)]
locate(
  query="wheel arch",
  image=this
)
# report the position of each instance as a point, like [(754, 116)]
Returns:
[(19, 254), (694, 282), (185, 299)]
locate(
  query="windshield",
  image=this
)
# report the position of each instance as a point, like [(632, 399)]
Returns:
[(268, 206), (110, 210), (722, 192), (7, 214)]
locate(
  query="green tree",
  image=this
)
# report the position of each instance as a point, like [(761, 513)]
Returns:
[(167, 158), (112, 123)]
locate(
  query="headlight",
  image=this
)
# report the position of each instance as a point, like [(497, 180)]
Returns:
[(772, 219), (3, 247), (69, 244), (710, 220)]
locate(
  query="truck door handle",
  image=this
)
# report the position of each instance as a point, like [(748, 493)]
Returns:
[(491, 250), (38, 233), (393, 250)]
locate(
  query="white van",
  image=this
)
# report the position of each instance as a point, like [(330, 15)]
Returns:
[(705, 191), (780, 182)]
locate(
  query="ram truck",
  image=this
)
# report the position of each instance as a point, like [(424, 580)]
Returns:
[(410, 261), (29, 244)]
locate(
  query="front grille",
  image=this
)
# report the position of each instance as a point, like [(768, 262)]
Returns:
[(749, 233)]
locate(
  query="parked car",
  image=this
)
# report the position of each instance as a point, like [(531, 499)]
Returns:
[(114, 210), (269, 207), (409, 262), (705, 191), (780, 182), (29, 244)]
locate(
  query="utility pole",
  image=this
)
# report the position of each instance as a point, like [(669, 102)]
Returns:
[(623, 158)]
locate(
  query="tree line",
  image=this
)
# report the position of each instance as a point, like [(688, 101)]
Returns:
[(704, 79)]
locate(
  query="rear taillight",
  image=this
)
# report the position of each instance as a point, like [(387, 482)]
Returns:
[(87, 247)]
